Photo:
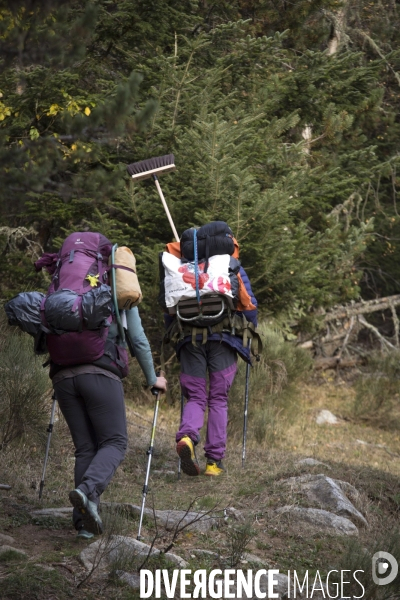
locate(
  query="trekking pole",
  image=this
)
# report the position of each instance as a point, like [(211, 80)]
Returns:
[(179, 459), (153, 167), (50, 431), (246, 406), (157, 393)]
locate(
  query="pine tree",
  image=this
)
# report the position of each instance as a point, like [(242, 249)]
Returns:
[(230, 94)]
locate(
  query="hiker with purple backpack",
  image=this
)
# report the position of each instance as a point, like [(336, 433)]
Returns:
[(78, 323), (91, 398)]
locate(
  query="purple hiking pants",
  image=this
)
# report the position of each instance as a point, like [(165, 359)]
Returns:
[(220, 360), (93, 406)]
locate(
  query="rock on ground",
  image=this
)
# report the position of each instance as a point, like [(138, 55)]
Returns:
[(44, 567), (6, 539), (311, 462), (236, 514), (256, 560), (329, 494), (105, 551), (321, 520), (62, 513), (325, 417), (349, 490), (131, 579), (170, 519), (5, 548), (200, 552)]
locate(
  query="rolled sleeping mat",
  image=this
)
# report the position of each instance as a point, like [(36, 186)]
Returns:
[(128, 290)]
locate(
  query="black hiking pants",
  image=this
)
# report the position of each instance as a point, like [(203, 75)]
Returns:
[(93, 406)]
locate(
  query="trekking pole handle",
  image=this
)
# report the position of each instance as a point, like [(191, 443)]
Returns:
[(154, 390)]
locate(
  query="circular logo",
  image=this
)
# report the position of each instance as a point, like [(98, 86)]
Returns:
[(384, 568)]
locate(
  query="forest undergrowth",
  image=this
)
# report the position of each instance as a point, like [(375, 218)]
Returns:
[(285, 397)]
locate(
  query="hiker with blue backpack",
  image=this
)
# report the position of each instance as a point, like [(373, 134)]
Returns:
[(79, 323), (211, 315)]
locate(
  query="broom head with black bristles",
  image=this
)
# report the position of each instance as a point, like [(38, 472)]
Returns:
[(153, 166)]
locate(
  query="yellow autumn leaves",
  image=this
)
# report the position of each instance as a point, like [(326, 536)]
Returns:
[(5, 111), (71, 106)]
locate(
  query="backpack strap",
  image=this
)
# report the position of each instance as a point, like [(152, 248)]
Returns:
[(196, 268), (121, 267), (241, 327), (114, 295)]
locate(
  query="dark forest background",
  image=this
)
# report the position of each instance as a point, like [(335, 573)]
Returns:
[(282, 115)]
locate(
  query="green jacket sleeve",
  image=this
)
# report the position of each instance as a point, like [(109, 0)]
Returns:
[(141, 345)]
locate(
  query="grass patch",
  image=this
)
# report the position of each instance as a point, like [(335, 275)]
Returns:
[(373, 467), (32, 583), (358, 555), (238, 539), (377, 397), (12, 556), (24, 391), (273, 392)]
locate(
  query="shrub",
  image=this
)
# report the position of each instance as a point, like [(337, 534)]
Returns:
[(358, 557), (24, 391), (378, 390), (272, 389), (238, 538), (33, 583)]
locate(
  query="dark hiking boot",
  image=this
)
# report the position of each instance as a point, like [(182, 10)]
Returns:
[(185, 450), (214, 468), (90, 517)]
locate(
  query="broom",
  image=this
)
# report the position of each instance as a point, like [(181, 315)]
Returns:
[(152, 168)]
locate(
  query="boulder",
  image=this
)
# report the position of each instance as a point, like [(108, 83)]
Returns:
[(131, 579), (62, 513), (44, 567), (311, 462), (5, 548), (170, 519), (349, 490), (320, 520), (255, 560), (325, 417), (105, 551), (328, 494), (6, 539), (206, 553), (236, 514)]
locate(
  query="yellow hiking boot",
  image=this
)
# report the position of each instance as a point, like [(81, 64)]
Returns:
[(214, 468), (185, 450)]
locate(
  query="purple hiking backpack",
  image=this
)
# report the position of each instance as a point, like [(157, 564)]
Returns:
[(77, 309)]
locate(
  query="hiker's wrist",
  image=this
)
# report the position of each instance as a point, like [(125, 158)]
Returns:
[(151, 383)]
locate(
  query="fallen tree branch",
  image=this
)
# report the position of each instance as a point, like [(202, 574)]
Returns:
[(346, 339), (333, 362), (395, 322), (362, 308), (61, 564), (380, 337)]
